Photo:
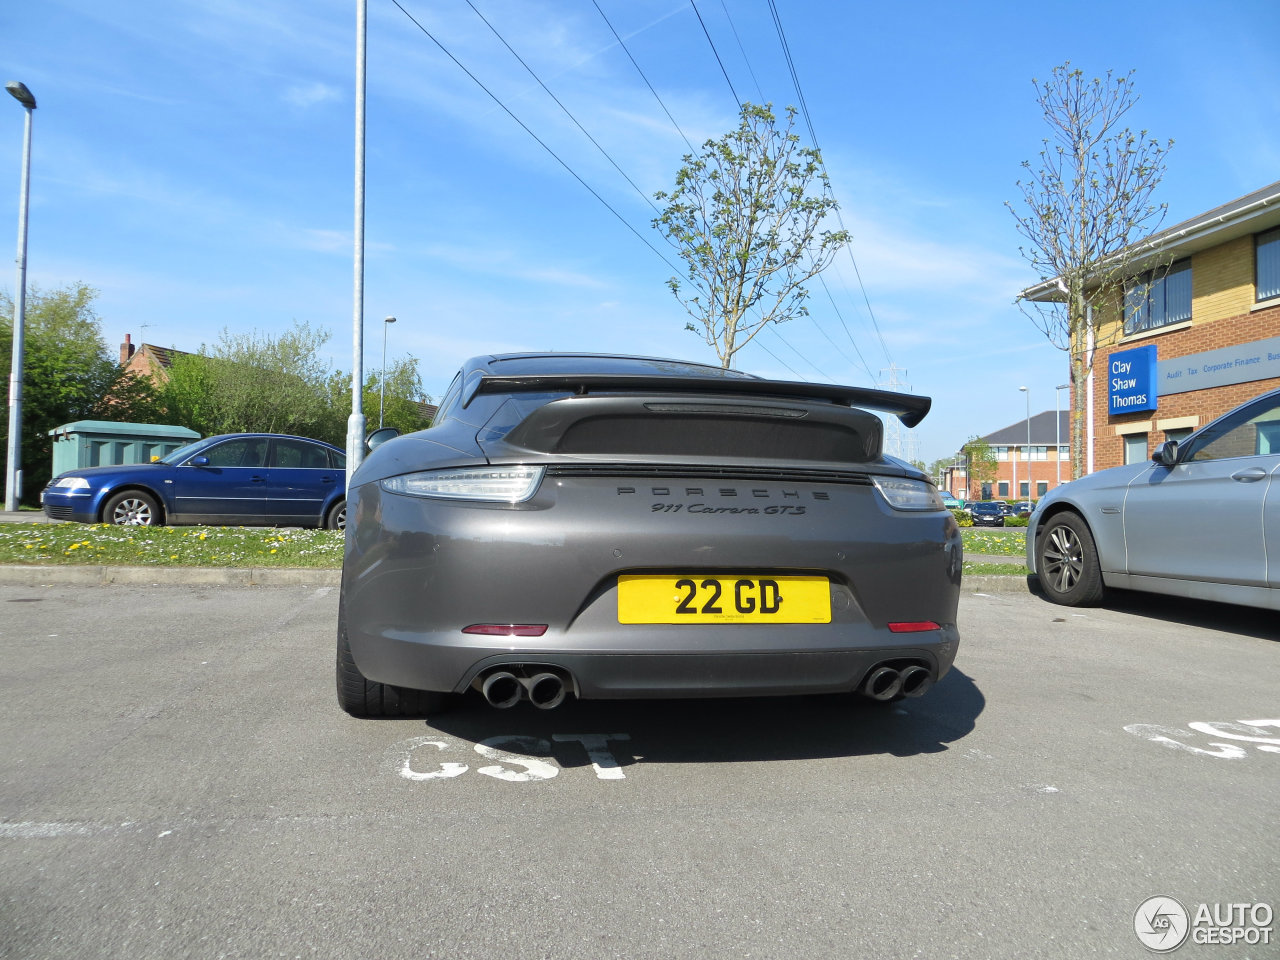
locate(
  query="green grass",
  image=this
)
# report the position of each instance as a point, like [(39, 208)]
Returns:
[(995, 541), (979, 569), (36, 543), (49, 543)]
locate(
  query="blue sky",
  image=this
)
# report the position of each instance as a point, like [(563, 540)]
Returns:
[(193, 161)]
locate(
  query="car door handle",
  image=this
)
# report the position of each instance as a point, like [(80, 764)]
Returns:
[(1249, 474), (258, 479)]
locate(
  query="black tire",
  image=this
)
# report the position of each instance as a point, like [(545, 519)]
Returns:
[(132, 508), (1067, 562), (362, 697), (337, 517)]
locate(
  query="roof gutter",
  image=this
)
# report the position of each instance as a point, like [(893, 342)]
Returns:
[(1175, 237)]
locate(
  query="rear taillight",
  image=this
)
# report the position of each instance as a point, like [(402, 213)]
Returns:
[(513, 484), (507, 629), (913, 626)]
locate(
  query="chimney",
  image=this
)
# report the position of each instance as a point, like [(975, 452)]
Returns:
[(126, 350)]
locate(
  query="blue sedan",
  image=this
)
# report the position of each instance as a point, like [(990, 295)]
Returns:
[(237, 478)]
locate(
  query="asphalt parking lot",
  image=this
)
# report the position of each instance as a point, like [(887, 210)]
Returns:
[(176, 780)]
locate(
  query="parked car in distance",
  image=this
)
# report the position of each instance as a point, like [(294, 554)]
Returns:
[(629, 528), (1023, 508), (988, 513), (1201, 519), (238, 478)]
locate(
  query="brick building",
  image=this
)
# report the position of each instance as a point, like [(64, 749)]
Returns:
[(148, 360), (1023, 470), (1196, 334)]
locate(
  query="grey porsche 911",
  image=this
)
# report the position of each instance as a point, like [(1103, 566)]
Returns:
[(611, 527)]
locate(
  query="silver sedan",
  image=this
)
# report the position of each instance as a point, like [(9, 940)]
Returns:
[(1201, 519)]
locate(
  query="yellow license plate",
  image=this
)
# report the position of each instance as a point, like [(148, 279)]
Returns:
[(676, 598)]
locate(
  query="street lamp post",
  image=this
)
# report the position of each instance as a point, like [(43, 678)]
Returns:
[(1030, 489), (355, 423), (13, 473), (382, 374), (1057, 453)]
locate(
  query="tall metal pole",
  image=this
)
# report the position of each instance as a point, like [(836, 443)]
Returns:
[(13, 471), (1057, 453), (1029, 488), (382, 375), (355, 423)]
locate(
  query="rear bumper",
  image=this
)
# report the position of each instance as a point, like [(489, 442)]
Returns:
[(699, 669), (417, 572)]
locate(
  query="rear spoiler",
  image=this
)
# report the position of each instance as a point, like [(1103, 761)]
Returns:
[(908, 408)]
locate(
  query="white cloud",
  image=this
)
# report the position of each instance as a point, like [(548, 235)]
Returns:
[(310, 94)]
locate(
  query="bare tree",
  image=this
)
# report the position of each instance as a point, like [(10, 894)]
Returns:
[(746, 215), (1084, 207)]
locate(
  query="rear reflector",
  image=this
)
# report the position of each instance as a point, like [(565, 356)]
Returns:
[(507, 629), (914, 626)]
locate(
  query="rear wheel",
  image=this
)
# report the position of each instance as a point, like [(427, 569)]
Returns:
[(1067, 562), (133, 508), (337, 518), (361, 697)]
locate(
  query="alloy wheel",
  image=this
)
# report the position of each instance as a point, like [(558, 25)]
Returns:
[(1063, 558)]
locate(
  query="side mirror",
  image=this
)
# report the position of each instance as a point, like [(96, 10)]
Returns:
[(379, 437), (200, 461), (1166, 454)]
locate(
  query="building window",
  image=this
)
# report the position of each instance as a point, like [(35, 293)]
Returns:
[(1004, 489), (1178, 435), (1268, 264), (1158, 299), (1042, 487), (1002, 453), (1023, 490), (1135, 447), (1040, 453)]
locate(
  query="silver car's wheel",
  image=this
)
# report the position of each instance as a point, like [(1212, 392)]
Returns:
[(133, 508), (1067, 562)]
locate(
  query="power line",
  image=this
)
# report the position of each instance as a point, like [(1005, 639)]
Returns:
[(725, 8), (643, 196), (526, 129), (773, 328), (804, 107), (736, 100), (778, 358), (623, 45)]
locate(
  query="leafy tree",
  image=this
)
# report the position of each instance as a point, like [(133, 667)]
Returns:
[(939, 466), (1083, 208), (982, 463), (68, 374), (746, 217), (404, 398), (254, 382)]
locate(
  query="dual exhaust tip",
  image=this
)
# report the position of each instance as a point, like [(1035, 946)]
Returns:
[(546, 690), (504, 689), (889, 683)]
